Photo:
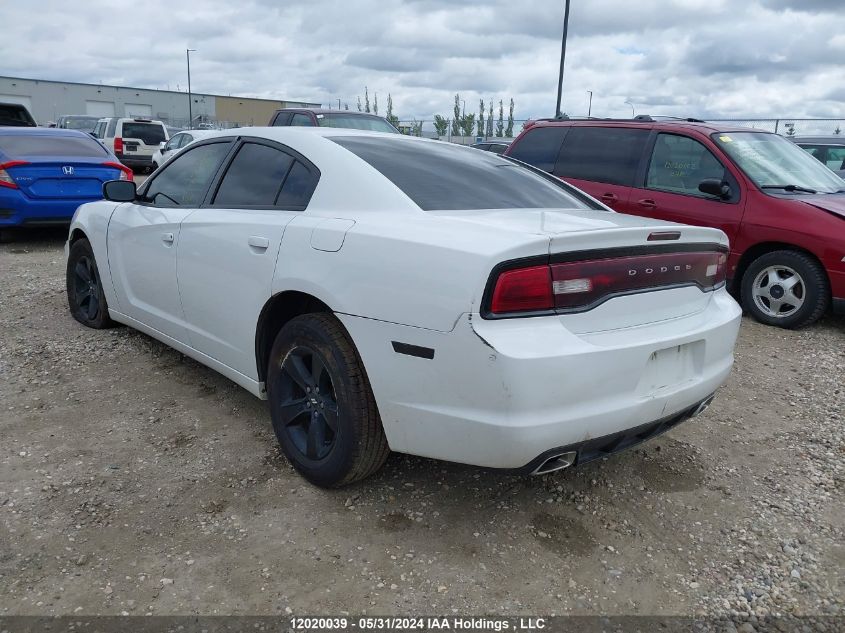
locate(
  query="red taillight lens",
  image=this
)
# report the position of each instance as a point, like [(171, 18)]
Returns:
[(582, 285), (125, 172), (118, 145), (6, 180), (523, 290)]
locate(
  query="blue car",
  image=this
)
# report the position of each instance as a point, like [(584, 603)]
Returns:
[(45, 174)]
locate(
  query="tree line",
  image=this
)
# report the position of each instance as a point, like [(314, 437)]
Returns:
[(461, 123)]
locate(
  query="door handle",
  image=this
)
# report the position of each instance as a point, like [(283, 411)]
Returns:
[(258, 243), (647, 203), (609, 197), (167, 238)]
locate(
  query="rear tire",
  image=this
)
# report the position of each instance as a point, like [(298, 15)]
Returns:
[(323, 410), (788, 289), (85, 289)]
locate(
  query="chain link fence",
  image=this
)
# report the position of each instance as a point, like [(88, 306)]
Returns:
[(790, 127)]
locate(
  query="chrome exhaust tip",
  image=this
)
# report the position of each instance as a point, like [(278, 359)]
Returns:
[(702, 407), (556, 462)]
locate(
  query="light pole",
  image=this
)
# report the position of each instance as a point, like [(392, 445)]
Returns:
[(632, 108), (188, 52), (338, 104), (558, 113), (590, 106)]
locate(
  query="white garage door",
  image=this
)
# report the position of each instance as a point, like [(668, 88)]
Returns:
[(99, 108), (24, 101), (139, 109)]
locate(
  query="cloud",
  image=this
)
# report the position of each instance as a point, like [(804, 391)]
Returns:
[(704, 58)]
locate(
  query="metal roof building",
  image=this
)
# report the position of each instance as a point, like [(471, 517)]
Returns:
[(48, 100)]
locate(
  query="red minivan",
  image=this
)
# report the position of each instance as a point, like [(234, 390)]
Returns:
[(783, 211)]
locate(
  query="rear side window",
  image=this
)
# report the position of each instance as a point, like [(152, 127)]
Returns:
[(440, 176), (540, 147), (183, 181), (254, 178), (11, 114), (149, 133), (298, 187), (602, 154), (300, 119), (679, 163), (49, 145)]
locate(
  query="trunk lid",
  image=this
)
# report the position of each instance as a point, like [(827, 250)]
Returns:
[(581, 235), (47, 177)]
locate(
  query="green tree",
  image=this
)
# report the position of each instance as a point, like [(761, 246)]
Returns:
[(456, 120), (490, 121), (467, 124), (500, 124), (394, 120), (441, 125), (417, 128), (480, 131), (375, 103), (838, 130), (359, 104), (366, 100), (345, 105), (509, 129)]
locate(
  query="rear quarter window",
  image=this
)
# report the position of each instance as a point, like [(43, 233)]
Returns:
[(49, 145), (602, 154), (540, 147)]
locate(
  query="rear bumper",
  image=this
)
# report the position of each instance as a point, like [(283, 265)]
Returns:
[(136, 161), (502, 394), (18, 210)]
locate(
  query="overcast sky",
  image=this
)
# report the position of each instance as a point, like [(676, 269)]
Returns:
[(703, 58)]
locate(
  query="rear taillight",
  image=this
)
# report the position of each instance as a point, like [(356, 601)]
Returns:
[(125, 172), (582, 285), (5, 179), (118, 145), (522, 290)]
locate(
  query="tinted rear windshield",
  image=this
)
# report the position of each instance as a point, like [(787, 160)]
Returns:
[(10, 113), (440, 176), (49, 145), (355, 122), (149, 133)]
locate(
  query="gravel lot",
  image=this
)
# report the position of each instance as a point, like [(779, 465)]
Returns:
[(133, 480)]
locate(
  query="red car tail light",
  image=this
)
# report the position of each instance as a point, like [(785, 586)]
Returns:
[(125, 172), (5, 179), (523, 290), (582, 285), (118, 145)]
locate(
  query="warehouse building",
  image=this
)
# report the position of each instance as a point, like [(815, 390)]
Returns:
[(48, 100)]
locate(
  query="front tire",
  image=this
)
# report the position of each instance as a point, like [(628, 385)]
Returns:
[(85, 289), (788, 289), (323, 410)]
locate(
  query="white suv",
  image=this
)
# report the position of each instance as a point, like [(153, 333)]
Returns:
[(133, 140)]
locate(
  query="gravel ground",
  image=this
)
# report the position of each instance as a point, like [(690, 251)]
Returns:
[(135, 481)]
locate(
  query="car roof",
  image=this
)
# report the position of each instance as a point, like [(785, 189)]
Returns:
[(330, 111), (704, 127), (41, 131)]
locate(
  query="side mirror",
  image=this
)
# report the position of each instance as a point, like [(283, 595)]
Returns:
[(715, 187), (161, 145), (119, 190)]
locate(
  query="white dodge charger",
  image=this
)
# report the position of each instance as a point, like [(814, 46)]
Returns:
[(387, 293)]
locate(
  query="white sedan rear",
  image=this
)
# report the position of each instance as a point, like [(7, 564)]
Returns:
[(391, 293)]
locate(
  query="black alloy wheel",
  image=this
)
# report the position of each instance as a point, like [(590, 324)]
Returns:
[(84, 289), (323, 409)]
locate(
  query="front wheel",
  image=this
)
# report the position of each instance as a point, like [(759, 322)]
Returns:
[(788, 289), (323, 410), (85, 295)]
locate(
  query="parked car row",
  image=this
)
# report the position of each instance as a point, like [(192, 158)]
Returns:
[(783, 211), (829, 150)]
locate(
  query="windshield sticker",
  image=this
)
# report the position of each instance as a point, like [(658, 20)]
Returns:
[(725, 138)]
